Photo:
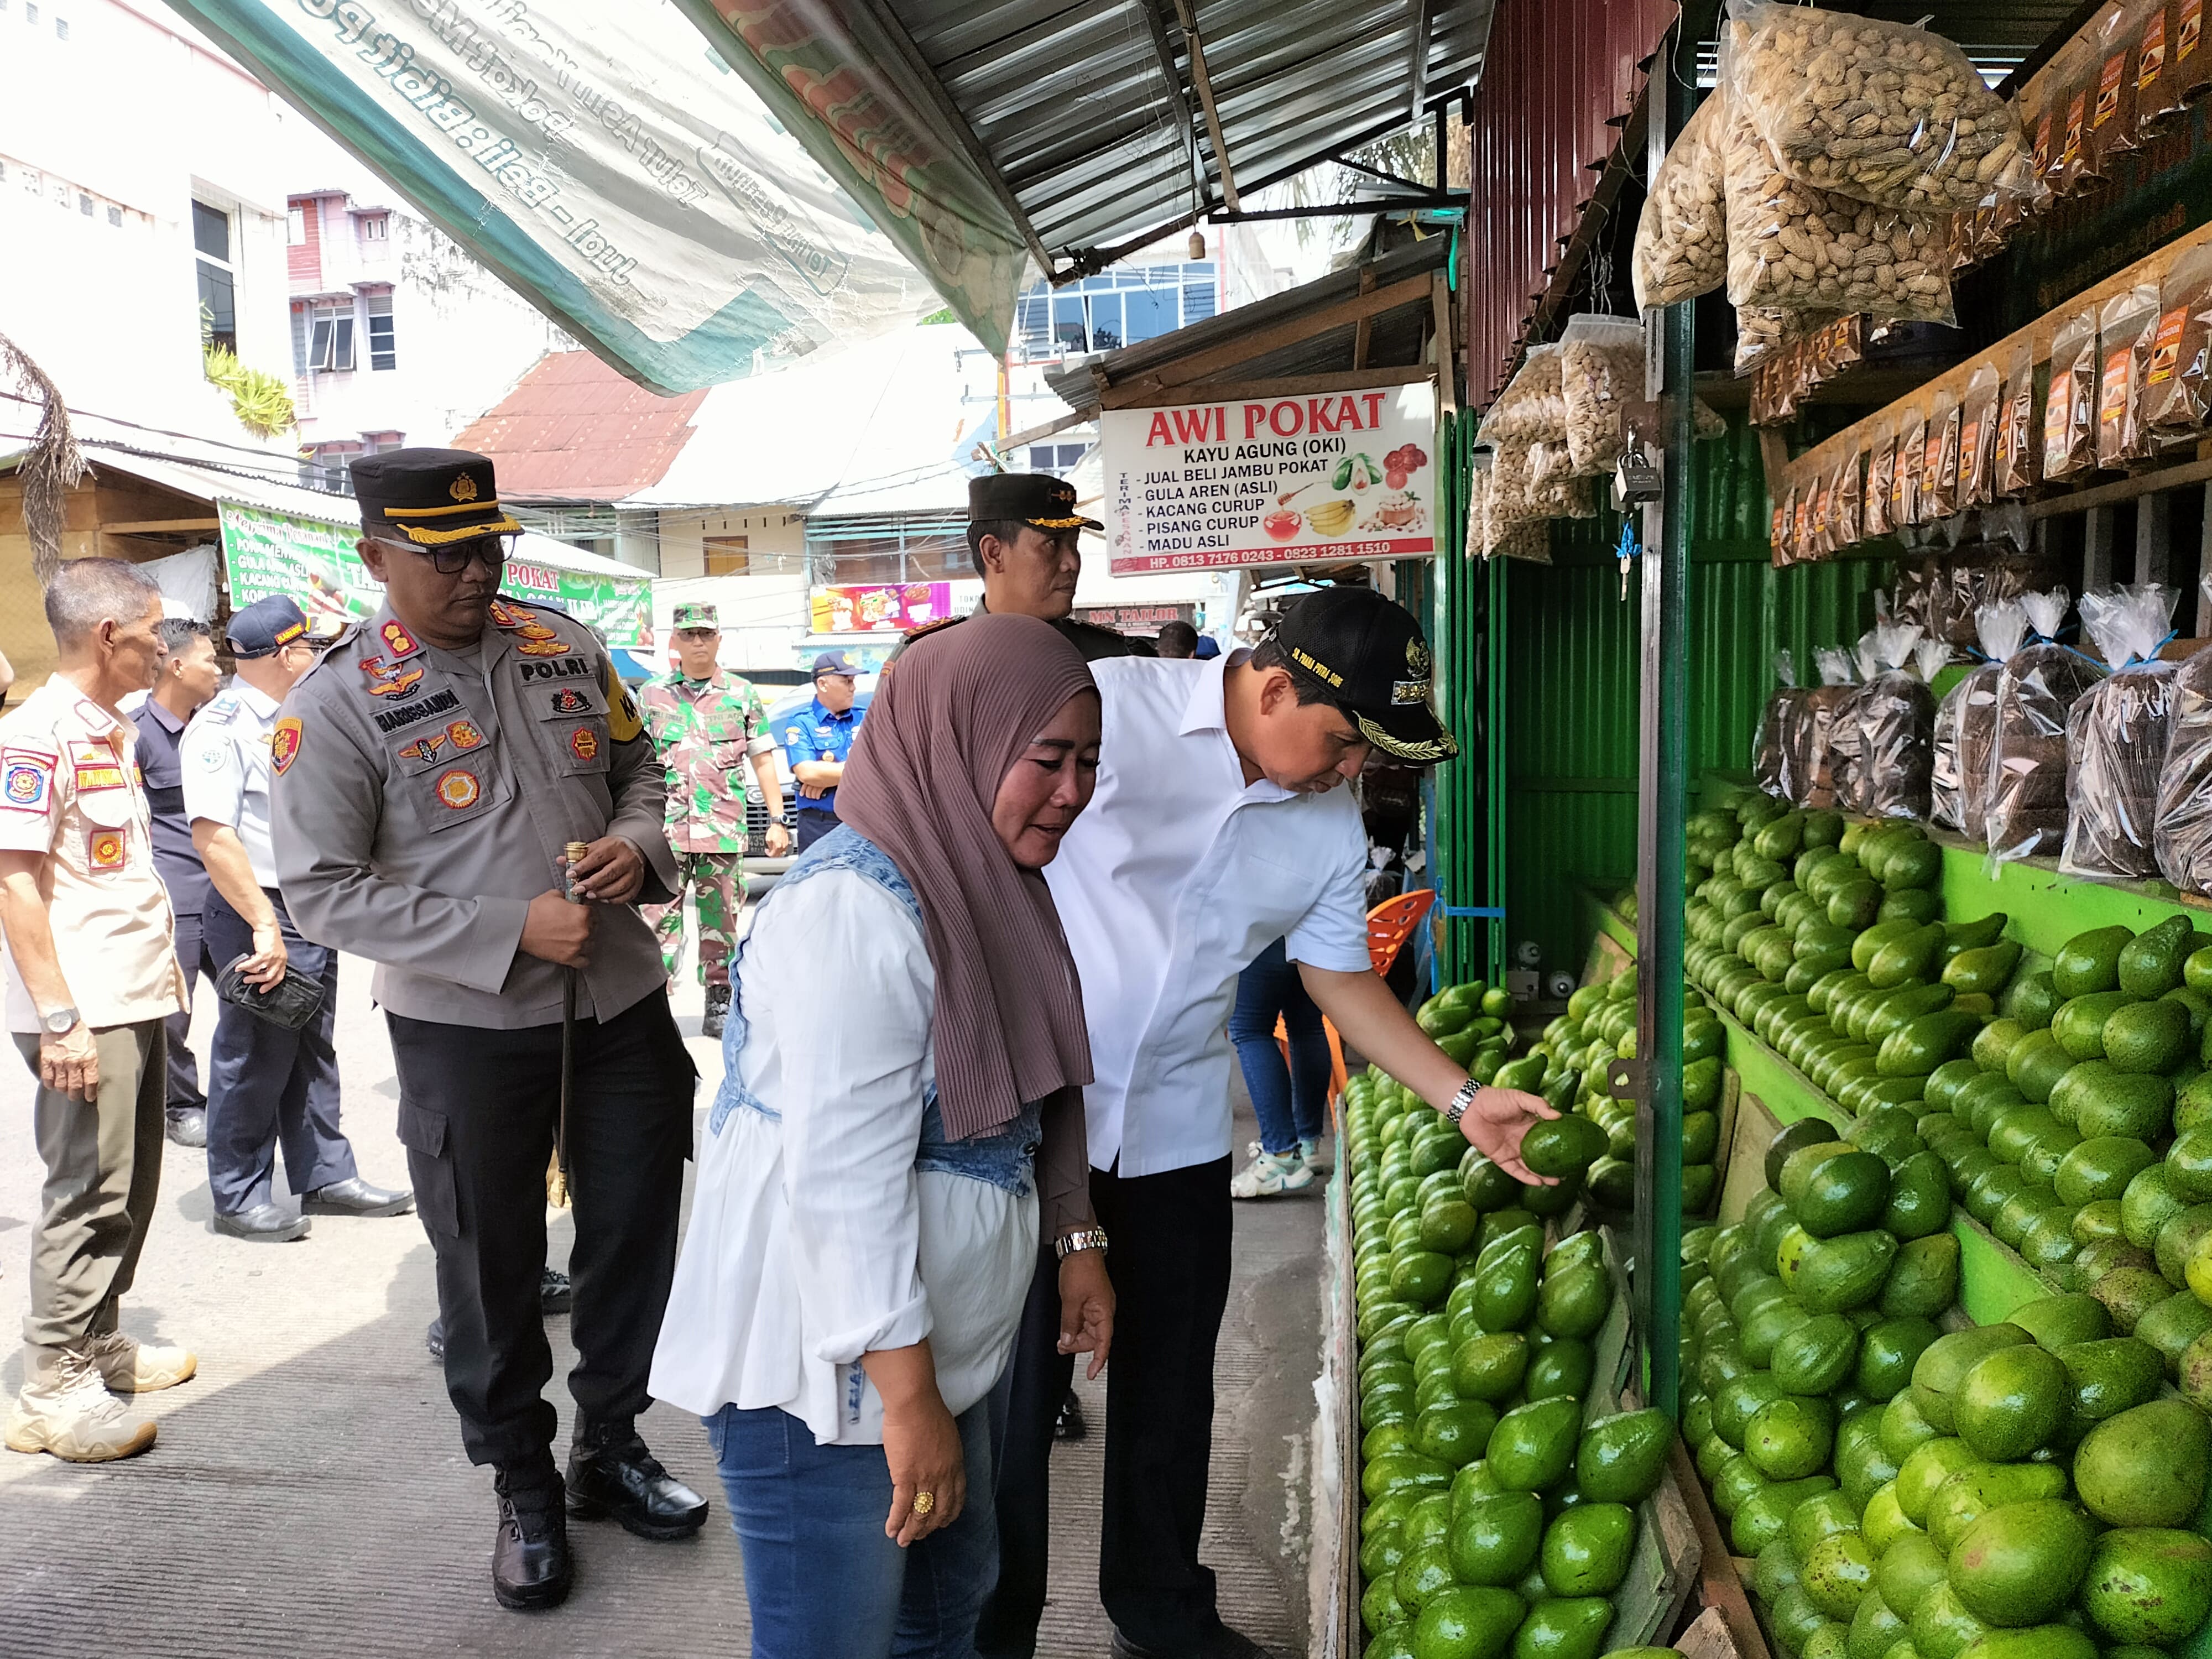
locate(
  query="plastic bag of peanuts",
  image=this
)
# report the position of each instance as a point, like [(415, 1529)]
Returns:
[(1884, 113), (1681, 237), (1530, 409)]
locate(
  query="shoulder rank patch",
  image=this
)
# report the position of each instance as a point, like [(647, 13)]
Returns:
[(458, 789), (398, 642), (103, 849), (26, 778), (284, 744), (551, 647), (506, 613)]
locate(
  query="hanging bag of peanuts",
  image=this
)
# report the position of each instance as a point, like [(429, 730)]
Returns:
[(2018, 457), (1810, 748), (1770, 759), (2070, 408), (1977, 437), (2036, 693), (1885, 112), (2127, 326), (1939, 466), (1966, 724), (2178, 383), (2115, 37), (1681, 236), (1881, 474), (1601, 379), (1530, 409), (2116, 734), (2182, 838)]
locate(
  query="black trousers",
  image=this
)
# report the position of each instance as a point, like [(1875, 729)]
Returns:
[(813, 825), (477, 1111), (1170, 1260), (193, 956)]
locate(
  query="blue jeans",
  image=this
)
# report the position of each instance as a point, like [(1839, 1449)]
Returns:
[(822, 1581), (1288, 1100)]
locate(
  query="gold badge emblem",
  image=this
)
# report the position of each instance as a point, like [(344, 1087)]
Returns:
[(1417, 663), (464, 489)]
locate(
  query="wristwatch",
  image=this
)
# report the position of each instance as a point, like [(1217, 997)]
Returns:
[(59, 1021), (1462, 1101), (1089, 1238)]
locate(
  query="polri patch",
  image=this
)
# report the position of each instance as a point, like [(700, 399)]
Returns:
[(584, 744), (569, 701), (458, 789), (284, 744)]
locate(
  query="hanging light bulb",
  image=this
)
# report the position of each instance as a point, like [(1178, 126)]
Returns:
[(1198, 244)]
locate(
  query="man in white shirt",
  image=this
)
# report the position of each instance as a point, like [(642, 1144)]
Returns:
[(266, 1082), (1217, 828)]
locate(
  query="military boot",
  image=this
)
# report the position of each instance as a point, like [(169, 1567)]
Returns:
[(64, 1408)]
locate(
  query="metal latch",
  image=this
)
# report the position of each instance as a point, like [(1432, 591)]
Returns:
[(1623, 1079)]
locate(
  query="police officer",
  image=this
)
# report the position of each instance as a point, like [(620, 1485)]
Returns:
[(430, 771), (266, 1082), (702, 720), (816, 741)]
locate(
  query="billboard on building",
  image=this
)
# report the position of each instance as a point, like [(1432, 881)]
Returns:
[(1262, 479), (895, 609)]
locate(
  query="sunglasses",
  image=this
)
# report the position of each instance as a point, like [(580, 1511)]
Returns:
[(456, 556)]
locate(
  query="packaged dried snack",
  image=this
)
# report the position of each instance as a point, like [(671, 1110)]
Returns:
[(1917, 594), (1779, 533), (2070, 408), (1896, 714), (1771, 765), (1977, 437), (2178, 383), (2184, 33), (1601, 378), (1796, 248), (1886, 112), (1939, 463), (2126, 328), (1905, 479), (1810, 748), (2116, 735), (2036, 693), (2182, 837), (1844, 510), (1530, 541), (1880, 477), (1531, 408), (2073, 74), (2159, 101), (1681, 236), (2018, 452), (1478, 512), (1966, 724), (2115, 37)]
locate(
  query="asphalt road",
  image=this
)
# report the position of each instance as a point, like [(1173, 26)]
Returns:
[(309, 1494)]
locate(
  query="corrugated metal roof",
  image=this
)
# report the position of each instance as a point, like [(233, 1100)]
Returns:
[(1089, 111), (574, 430)]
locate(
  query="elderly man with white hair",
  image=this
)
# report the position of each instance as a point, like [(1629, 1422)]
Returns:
[(92, 976)]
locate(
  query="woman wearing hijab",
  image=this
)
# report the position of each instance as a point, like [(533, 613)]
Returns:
[(905, 1053)]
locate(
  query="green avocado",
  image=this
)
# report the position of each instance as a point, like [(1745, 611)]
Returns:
[(1908, 958), (2146, 1037), (1914, 863), (2011, 1403), (1888, 1350), (2101, 1169), (1875, 1628), (1835, 1276), (1505, 1288), (1919, 1199), (1939, 1371), (2079, 1025), (2089, 962), (1494, 1538), (1919, 1047), (1909, 1569), (1586, 1550), (1533, 1447), (2035, 1063), (1816, 1356), (1763, 1517), (2107, 1101), (1916, 905), (1790, 1437), (1843, 1194), (2036, 1001), (1943, 1629), (2149, 1585), (1562, 1145), (1953, 1075), (2154, 961), (2147, 1466), (2111, 1375), (2019, 1563), (1924, 1470), (1987, 969), (2178, 1239), (1490, 1366), (1837, 1574), (1923, 1279), (1571, 1627), (1455, 1432), (1466, 1619), (1978, 1488), (2128, 1293), (1621, 1458), (1574, 1303), (2060, 1321)]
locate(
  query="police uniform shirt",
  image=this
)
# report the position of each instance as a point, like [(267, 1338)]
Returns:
[(226, 763), (423, 798)]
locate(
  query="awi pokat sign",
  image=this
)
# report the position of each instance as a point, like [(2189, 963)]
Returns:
[(1269, 480)]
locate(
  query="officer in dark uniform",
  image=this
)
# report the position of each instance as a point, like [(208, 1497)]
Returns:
[(1022, 530), (430, 771)]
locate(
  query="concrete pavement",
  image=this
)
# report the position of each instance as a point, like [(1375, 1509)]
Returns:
[(309, 1494)]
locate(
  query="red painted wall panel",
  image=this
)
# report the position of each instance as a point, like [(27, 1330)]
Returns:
[(1554, 73)]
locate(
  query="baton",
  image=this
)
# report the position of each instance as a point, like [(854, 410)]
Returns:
[(571, 852)]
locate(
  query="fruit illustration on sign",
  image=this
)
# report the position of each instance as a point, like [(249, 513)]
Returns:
[(1283, 524)]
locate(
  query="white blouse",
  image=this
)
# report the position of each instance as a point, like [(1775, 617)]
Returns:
[(813, 1239)]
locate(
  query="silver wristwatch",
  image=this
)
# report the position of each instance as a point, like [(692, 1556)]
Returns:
[(59, 1021), (1462, 1101), (1089, 1238)]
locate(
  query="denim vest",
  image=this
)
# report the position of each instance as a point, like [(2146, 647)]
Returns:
[(1002, 1157)]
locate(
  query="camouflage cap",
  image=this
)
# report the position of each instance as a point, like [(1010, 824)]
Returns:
[(694, 615)]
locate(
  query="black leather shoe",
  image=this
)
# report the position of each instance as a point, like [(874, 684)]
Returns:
[(434, 1340), (615, 1474), (530, 1564), (718, 1007), (1069, 1425), (188, 1126), (264, 1223), (1219, 1643), (355, 1196), (554, 1293)]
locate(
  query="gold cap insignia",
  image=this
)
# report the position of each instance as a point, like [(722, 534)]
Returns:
[(1417, 659), (463, 488)]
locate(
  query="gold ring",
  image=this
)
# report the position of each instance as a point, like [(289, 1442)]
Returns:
[(923, 1503)]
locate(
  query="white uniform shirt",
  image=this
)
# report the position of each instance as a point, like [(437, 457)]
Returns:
[(813, 1239), (1175, 877), (225, 761)]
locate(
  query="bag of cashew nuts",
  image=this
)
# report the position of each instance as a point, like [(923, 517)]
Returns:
[(2183, 839), (1939, 461), (1796, 248), (1884, 113), (1601, 377), (2159, 101), (1896, 716), (1810, 740), (1681, 237), (2116, 736), (1905, 478), (1530, 409), (2115, 40)]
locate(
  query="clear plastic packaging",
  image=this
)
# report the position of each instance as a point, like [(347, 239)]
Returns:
[(1847, 755), (2178, 383), (1771, 760), (1904, 478), (1966, 724), (1881, 478), (1939, 465), (1845, 503), (1977, 437), (2182, 838), (1601, 378), (2073, 93), (2159, 101), (2115, 38), (1896, 716), (2018, 455), (2116, 735), (1883, 112), (1531, 409), (1681, 237), (1822, 702), (2036, 694), (2184, 32), (2070, 408), (2126, 327)]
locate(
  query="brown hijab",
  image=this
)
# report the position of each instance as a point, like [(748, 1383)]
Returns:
[(937, 740)]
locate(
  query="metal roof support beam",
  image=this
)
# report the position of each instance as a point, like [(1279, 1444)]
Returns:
[(1186, 14), (1418, 70), (1428, 201), (1186, 118), (1243, 348)]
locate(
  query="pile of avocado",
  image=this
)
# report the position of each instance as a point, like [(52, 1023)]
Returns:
[(1468, 1021), (1502, 1493)]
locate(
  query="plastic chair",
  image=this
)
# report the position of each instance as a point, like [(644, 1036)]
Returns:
[(1390, 925)]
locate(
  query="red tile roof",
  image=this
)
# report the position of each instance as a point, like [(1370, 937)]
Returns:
[(574, 429)]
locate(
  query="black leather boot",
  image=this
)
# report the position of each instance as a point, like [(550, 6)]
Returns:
[(611, 1473), (530, 1564)]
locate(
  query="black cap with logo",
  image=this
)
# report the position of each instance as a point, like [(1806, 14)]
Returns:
[(1369, 655), (265, 627), (1035, 498), (429, 496)]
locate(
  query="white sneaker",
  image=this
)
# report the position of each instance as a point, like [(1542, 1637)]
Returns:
[(129, 1366), (1310, 1154), (64, 1408), (1269, 1174)]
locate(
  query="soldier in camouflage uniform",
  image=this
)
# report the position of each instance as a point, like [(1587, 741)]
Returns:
[(702, 722)]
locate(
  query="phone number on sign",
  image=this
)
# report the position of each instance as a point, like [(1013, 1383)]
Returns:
[(1219, 558)]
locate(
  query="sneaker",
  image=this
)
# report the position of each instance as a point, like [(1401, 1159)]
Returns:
[(1269, 1174), (64, 1408), (1309, 1155), (132, 1367)]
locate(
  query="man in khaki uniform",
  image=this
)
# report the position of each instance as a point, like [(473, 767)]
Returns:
[(92, 975), (429, 772)]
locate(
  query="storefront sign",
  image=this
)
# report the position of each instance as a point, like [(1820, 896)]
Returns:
[(1265, 480), (898, 609), (312, 561), (1138, 618)]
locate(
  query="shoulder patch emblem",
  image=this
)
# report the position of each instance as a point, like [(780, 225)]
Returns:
[(397, 639), (26, 781), (504, 613), (103, 849), (569, 701), (458, 789), (584, 744), (463, 734), (424, 749), (284, 744), (393, 684), (554, 646)]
